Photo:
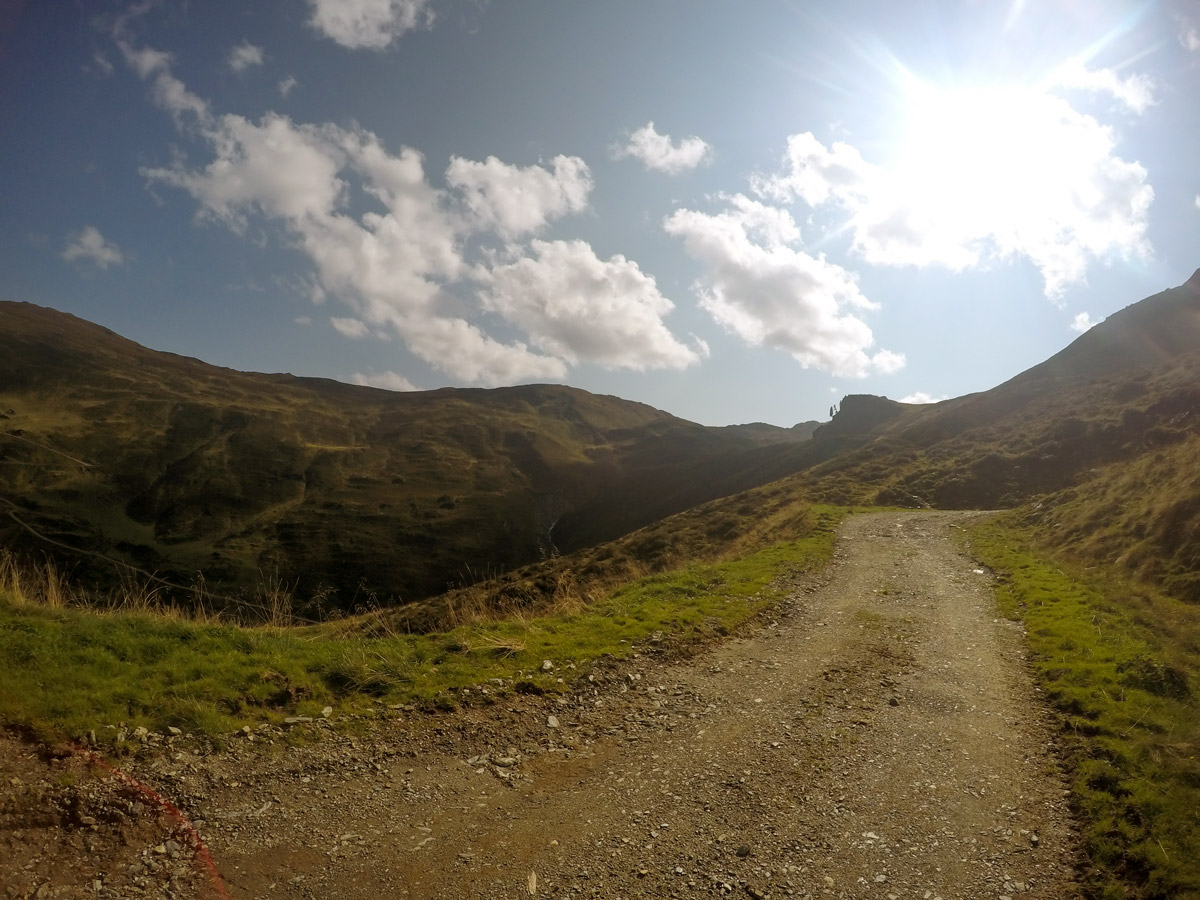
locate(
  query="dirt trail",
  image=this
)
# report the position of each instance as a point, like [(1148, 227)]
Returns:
[(880, 738)]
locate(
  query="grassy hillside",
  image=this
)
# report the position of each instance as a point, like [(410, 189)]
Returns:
[(351, 496), (1126, 386), (1141, 514)]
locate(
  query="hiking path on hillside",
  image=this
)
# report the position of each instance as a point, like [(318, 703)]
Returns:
[(878, 735)]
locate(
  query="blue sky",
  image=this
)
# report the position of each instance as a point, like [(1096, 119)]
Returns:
[(733, 212)]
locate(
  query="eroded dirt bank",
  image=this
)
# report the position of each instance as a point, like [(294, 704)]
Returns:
[(879, 737)]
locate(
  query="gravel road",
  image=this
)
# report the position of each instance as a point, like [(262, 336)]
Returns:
[(877, 736)]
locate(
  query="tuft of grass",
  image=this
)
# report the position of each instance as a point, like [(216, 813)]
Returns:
[(43, 585), (69, 670), (1125, 690)]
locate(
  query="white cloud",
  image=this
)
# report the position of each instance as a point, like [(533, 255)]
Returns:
[(397, 264), (303, 320), (103, 63), (517, 201), (287, 86), (465, 352), (369, 24), (1188, 34), (274, 166), (169, 92), (922, 397), (1082, 322), (817, 175), (575, 306), (388, 267), (244, 56), (657, 152), (389, 381), (1198, 201), (355, 329), (769, 293), (984, 176), (887, 362), (1135, 91), (89, 245)]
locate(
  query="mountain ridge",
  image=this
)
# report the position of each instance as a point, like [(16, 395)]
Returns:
[(196, 468)]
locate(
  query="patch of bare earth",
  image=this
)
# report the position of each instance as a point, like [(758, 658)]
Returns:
[(877, 736)]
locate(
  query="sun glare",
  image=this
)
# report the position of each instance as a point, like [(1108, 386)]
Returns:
[(975, 156), (986, 170)]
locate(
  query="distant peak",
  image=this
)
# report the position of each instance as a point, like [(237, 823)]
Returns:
[(1194, 281)]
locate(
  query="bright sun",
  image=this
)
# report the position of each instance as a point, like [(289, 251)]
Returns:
[(985, 160)]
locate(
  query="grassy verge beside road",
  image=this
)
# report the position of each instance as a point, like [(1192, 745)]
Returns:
[(68, 670), (1121, 665)]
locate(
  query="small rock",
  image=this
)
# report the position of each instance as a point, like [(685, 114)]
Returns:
[(552, 721), (505, 761), (327, 712), (893, 701), (547, 666), (173, 731), (743, 851)]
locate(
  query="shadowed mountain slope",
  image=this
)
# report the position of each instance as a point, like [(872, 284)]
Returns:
[(361, 495)]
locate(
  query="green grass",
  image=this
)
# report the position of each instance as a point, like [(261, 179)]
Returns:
[(65, 671), (1124, 687)]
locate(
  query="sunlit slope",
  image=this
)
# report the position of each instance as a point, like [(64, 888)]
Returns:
[(360, 495)]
